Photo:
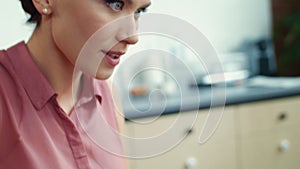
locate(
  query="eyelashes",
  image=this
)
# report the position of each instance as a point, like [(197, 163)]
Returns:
[(139, 12), (117, 5)]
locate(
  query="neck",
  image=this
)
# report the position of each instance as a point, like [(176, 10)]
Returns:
[(57, 69)]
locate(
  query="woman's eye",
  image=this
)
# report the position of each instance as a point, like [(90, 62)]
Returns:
[(116, 5), (139, 12)]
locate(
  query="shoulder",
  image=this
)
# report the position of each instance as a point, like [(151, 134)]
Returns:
[(9, 94), (2, 53), (7, 74), (6, 67), (9, 84)]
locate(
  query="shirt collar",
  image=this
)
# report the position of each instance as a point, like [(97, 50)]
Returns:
[(35, 84), (91, 89)]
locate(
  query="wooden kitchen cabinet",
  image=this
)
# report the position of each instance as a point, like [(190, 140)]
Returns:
[(218, 152), (269, 134), (257, 135), (276, 150)]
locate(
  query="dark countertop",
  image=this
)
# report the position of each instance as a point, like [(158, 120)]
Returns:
[(194, 98)]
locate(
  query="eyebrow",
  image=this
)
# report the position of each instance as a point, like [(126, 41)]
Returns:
[(146, 6), (142, 7)]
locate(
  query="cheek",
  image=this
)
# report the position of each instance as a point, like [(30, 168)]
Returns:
[(70, 32), (67, 38)]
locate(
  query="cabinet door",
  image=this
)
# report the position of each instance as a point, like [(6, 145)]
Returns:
[(265, 116), (219, 152), (269, 134), (273, 150)]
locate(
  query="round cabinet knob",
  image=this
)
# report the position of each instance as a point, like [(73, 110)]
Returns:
[(282, 116), (189, 131), (284, 145), (191, 163)]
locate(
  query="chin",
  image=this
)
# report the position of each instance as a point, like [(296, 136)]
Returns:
[(103, 75)]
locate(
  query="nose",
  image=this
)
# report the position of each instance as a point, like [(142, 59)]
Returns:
[(128, 30), (131, 40)]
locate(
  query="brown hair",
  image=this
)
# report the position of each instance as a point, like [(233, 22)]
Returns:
[(28, 7)]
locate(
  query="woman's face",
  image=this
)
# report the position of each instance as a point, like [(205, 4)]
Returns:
[(73, 22)]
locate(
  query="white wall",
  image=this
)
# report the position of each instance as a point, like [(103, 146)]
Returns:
[(225, 22), (13, 23)]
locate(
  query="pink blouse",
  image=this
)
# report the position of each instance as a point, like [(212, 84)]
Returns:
[(35, 133)]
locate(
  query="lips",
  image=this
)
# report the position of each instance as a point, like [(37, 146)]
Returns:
[(112, 57)]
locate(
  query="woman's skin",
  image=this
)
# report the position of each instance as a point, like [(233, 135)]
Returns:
[(64, 29)]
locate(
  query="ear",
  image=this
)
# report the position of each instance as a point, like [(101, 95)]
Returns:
[(42, 6)]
